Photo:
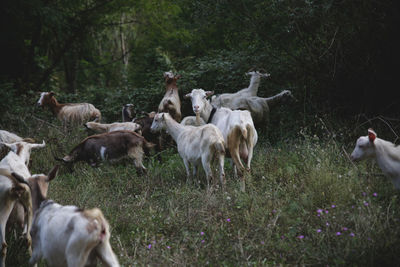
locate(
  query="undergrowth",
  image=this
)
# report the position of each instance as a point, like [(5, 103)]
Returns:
[(305, 203)]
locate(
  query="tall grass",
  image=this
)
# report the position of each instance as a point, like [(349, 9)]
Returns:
[(305, 203)]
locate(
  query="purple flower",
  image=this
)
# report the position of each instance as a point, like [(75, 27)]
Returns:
[(319, 210), (364, 194), (366, 203), (149, 246), (202, 241), (352, 234), (201, 233), (262, 242), (228, 220), (300, 237), (319, 230), (344, 228), (338, 233), (327, 224), (326, 211), (333, 206), (168, 247), (375, 194), (352, 206), (273, 211), (282, 237), (153, 242), (319, 215)]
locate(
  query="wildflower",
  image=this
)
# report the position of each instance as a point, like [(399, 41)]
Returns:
[(344, 228), (338, 233), (282, 237), (273, 211), (366, 203), (300, 237), (201, 233), (352, 234), (352, 206), (154, 242), (326, 211), (375, 194), (319, 215), (149, 246), (333, 206), (202, 241), (319, 230), (262, 242), (319, 210), (228, 220), (327, 224), (168, 247), (364, 194)]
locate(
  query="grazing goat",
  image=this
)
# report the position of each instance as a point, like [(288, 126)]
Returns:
[(13, 188), (17, 161), (67, 235), (237, 128), (259, 107), (112, 127), (171, 102), (73, 113), (128, 112), (195, 144), (386, 154), (110, 146), (193, 121), (226, 99)]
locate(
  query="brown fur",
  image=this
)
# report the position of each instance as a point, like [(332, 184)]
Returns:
[(171, 102)]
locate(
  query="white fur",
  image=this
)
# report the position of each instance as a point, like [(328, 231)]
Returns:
[(386, 154), (112, 127), (196, 145), (66, 236), (229, 122), (259, 107), (226, 99), (193, 121)]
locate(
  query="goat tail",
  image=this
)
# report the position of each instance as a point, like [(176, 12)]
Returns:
[(97, 223), (219, 147), (244, 132), (15, 178)]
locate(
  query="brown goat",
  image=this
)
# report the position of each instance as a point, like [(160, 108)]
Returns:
[(171, 103), (110, 146)]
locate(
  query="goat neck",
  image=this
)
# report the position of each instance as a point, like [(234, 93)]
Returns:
[(254, 84), (54, 106), (174, 128), (205, 113)]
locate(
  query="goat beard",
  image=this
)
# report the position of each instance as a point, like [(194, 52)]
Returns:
[(198, 118)]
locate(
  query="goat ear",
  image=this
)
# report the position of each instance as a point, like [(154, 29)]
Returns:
[(177, 77), (53, 173), (371, 135), (52, 93), (187, 96), (7, 145), (209, 93)]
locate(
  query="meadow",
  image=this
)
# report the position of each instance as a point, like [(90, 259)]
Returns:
[(305, 203)]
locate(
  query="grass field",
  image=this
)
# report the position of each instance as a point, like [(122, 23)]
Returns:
[(305, 203)]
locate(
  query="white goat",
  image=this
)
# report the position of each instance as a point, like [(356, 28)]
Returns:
[(237, 128), (195, 144), (17, 161), (226, 99), (73, 113), (193, 121), (12, 190), (386, 154), (112, 127), (259, 107), (69, 236), (8, 137)]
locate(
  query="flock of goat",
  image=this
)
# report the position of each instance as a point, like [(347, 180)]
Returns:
[(224, 126)]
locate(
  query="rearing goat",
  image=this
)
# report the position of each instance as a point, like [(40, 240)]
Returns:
[(386, 154), (226, 99), (195, 144), (171, 102)]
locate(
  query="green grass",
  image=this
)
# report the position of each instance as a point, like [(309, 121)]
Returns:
[(274, 222)]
